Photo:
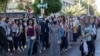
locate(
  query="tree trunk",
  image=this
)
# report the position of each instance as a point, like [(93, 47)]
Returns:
[(5, 8)]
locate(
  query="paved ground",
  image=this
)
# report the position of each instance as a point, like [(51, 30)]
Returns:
[(74, 51), (98, 44)]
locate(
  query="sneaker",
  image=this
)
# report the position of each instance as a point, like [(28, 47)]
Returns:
[(69, 47), (23, 49), (40, 52), (65, 49), (44, 48)]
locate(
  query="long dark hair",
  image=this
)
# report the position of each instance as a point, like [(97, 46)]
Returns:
[(94, 22), (29, 20), (63, 18), (46, 22), (21, 20), (21, 23), (16, 20), (7, 19), (86, 18)]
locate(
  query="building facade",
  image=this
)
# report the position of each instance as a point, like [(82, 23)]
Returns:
[(67, 3), (15, 4)]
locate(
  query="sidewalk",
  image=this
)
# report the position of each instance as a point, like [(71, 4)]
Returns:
[(74, 51), (97, 53)]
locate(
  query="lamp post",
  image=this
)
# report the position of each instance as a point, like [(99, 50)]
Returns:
[(42, 9), (42, 6)]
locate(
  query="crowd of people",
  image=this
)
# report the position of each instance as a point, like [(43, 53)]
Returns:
[(33, 35)]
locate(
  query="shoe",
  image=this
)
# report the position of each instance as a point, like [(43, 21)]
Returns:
[(69, 47), (65, 49), (40, 52), (23, 49), (44, 48)]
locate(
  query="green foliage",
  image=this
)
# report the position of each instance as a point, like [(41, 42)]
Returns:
[(2, 1), (3, 5), (91, 8), (97, 13), (75, 10), (20, 6), (35, 9), (80, 9), (53, 6)]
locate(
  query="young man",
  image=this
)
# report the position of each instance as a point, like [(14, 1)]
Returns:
[(3, 38)]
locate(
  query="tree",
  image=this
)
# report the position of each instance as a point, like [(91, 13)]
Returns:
[(20, 6), (91, 6), (97, 13), (53, 6), (3, 6), (81, 8), (74, 11)]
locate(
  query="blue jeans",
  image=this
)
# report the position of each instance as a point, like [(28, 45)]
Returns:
[(42, 40), (29, 44), (71, 35), (39, 44)]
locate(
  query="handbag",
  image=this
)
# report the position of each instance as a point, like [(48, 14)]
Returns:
[(33, 37), (85, 47)]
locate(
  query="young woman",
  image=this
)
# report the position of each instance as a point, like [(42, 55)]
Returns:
[(30, 36), (55, 39), (75, 29), (68, 32), (15, 31), (9, 37), (37, 47), (3, 38), (65, 37), (47, 33), (94, 32), (86, 35), (93, 23), (71, 29), (22, 39)]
